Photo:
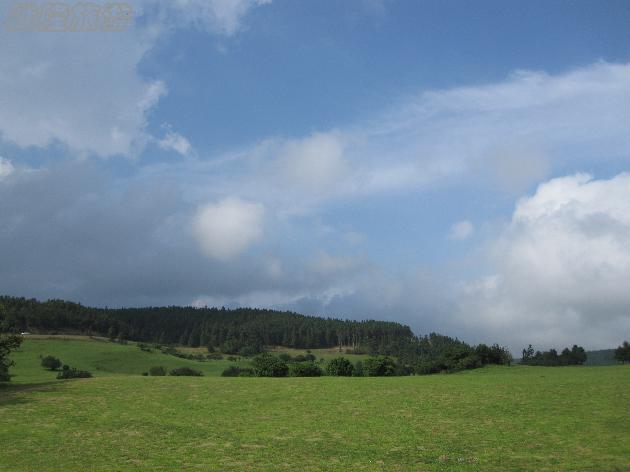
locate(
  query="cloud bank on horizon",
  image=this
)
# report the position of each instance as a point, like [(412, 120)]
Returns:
[(492, 210)]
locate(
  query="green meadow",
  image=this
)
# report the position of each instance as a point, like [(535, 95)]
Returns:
[(490, 419)]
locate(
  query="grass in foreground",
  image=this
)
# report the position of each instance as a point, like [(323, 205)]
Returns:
[(499, 418)]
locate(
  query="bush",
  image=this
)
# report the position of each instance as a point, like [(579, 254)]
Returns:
[(284, 357), (270, 366), (358, 369), (185, 372), (305, 369), (428, 367), (249, 351), (339, 366), (235, 371), (51, 363), (380, 366), (72, 373), (158, 371), (214, 356)]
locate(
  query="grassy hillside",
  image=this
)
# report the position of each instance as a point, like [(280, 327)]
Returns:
[(101, 357), (491, 419)]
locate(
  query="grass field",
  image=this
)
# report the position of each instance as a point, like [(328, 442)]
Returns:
[(498, 418), (99, 356)]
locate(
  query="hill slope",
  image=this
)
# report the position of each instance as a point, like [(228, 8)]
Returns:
[(231, 330), (100, 357)]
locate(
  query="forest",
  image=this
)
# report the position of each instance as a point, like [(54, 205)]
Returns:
[(247, 331)]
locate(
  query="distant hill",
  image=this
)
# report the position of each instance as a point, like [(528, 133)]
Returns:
[(601, 357), (231, 331)]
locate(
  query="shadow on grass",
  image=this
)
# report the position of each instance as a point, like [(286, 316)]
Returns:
[(16, 394)]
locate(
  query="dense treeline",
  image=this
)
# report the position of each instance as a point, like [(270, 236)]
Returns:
[(228, 330), (574, 356)]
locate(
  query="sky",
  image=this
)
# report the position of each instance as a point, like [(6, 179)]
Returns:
[(460, 167)]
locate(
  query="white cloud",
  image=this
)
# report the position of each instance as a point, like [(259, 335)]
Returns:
[(562, 267), (511, 134), (313, 163), (6, 168), (176, 142), (84, 90), (228, 227), (223, 17), (461, 230)]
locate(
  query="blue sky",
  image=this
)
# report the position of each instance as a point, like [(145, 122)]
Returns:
[(456, 166)]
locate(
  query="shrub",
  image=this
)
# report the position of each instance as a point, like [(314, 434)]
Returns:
[(185, 372), (305, 369), (249, 351), (51, 363), (235, 371), (214, 356), (428, 367), (358, 369), (270, 366), (72, 373), (380, 366), (283, 356), (339, 366), (157, 371)]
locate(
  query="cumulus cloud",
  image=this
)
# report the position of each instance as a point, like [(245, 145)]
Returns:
[(461, 230), (562, 267), (228, 227), (86, 94), (89, 95)]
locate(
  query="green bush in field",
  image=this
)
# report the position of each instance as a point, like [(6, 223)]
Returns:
[(51, 363), (185, 372), (380, 366), (71, 373), (358, 369), (283, 356), (214, 356), (339, 367), (269, 366), (305, 369), (157, 371)]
